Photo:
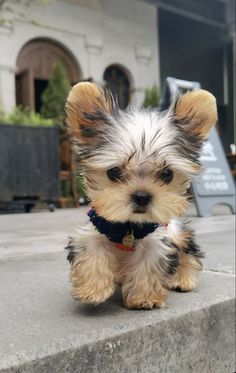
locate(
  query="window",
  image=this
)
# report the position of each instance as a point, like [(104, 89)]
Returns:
[(118, 82)]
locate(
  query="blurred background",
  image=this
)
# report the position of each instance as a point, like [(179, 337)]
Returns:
[(130, 46)]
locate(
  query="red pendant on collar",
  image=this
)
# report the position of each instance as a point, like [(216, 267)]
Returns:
[(128, 244), (122, 247)]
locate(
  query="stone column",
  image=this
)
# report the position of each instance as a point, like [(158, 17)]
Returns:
[(94, 46), (143, 57), (7, 88)]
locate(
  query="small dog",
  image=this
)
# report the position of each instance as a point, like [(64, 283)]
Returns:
[(137, 166)]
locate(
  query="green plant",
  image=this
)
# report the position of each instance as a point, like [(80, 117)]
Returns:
[(65, 189), (80, 185), (54, 96), (25, 117), (152, 97), (80, 188)]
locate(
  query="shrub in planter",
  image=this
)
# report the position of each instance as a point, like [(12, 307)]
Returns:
[(152, 97), (54, 96), (25, 117), (80, 189)]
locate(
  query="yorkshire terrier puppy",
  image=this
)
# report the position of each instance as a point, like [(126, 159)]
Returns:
[(137, 166)]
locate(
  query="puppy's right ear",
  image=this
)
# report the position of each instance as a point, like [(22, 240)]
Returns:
[(198, 110), (88, 110)]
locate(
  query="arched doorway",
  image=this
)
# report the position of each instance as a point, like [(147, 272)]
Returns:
[(118, 82), (34, 67)]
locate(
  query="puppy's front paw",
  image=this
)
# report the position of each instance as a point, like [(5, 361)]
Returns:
[(144, 301), (183, 284), (185, 278), (91, 287), (93, 295)]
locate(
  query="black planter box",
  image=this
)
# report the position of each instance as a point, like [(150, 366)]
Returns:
[(29, 164)]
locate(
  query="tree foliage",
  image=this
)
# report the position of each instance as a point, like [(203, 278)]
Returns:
[(54, 96), (152, 97)]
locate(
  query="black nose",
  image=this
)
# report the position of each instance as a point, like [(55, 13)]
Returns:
[(141, 198)]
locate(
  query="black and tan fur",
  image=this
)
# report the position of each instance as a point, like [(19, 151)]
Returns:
[(145, 146)]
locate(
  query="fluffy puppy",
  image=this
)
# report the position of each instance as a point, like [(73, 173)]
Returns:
[(137, 166)]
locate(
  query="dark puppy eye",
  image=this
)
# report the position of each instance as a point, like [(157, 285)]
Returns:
[(114, 173), (166, 175)]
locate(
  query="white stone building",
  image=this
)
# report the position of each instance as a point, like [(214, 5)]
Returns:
[(128, 44), (88, 35)]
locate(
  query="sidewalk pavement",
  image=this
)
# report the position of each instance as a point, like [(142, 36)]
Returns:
[(44, 330)]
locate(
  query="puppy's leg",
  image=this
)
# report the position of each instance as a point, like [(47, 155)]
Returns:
[(143, 273), (185, 277), (92, 264)]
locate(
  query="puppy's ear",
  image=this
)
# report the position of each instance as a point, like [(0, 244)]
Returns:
[(88, 110), (197, 111)]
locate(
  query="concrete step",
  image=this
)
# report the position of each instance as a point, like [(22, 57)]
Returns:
[(44, 330)]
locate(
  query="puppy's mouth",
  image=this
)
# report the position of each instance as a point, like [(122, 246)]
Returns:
[(139, 209)]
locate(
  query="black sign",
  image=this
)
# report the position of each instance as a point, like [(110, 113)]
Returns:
[(215, 185)]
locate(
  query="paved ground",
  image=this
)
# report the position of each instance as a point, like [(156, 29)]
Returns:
[(44, 330)]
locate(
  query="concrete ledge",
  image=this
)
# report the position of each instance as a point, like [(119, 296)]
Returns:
[(44, 330)]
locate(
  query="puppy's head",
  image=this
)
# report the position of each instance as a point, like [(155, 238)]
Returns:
[(138, 164)]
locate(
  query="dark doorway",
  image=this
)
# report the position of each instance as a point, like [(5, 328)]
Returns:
[(23, 92), (39, 87), (118, 82)]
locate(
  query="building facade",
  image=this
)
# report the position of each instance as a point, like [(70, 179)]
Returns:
[(130, 45), (95, 39)]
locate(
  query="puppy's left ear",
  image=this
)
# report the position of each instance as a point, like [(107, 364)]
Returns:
[(198, 111), (89, 109)]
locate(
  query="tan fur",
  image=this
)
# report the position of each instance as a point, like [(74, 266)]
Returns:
[(186, 275), (97, 266), (97, 271), (93, 271), (142, 277), (84, 97), (142, 288), (111, 200), (92, 276), (181, 238), (200, 107)]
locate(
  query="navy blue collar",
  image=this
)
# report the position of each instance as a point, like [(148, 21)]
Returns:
[(115, 232)]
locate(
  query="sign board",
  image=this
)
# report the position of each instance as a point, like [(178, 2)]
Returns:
[(216, 184)]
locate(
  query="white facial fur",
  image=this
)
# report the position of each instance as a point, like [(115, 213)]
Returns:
[(141, 144)]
